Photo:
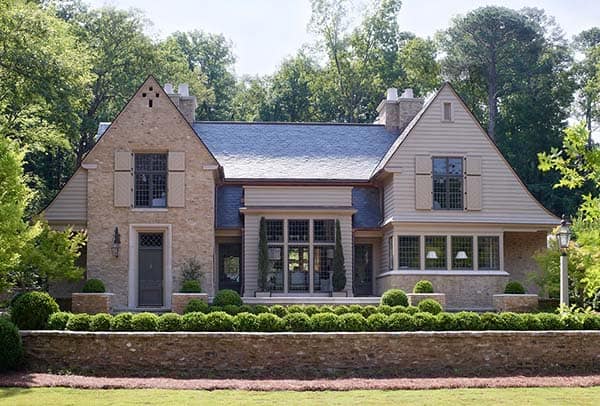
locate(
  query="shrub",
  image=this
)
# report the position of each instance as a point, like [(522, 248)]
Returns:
[(31, 310), (213, 309), (269, 322), (231, 309), (196, 305), (325, 309), (591, 321), (58, 320), (245, 322), (424, 321), (79, 322), (245, 309), (423, 286), (368, 310), (377, 322), (219, 321), (278, 310), (294, 309), (258, 309), (193, 321), (100, 322), (445, 322), (227, 297), (352, 322), (385, 309), (514, 288), (492, 321), (11, 346), (144, 322), (572, 321), (342, 309), (191, 286), (430, 306), (468, 321), (411, 310), (355, 308), (513, 321), (394, 297), (296, 322), (169, 322), (400, 322), (532, 322), (121, 322), (324, 322), (399, 309), (94, 286), (311, 309), (550, 321)]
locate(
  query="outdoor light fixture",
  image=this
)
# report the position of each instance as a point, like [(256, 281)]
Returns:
[(564, 236), (462, 255), (116, 245), (431, 255)]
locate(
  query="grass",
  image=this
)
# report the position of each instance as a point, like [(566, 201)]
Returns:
[(508, 396)]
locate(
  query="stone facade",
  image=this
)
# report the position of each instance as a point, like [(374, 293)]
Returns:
[(518, 256), (415, 298), (180, 300), (159, 128), (91, 303), (462, 291), (515, 303), (293, 355)]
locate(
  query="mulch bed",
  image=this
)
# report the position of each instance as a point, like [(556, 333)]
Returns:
[(30, 380)]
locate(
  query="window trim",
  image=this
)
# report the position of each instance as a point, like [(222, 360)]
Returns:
[(418, 237), (446, 177), (150, 206), (451, 111)]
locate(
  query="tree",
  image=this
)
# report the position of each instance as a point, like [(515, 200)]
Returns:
[(338, 280), (263, 256)]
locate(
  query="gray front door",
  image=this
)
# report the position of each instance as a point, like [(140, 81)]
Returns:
[(150, 269)]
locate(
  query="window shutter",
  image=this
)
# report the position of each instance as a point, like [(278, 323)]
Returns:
[(423, 182), (176, 181), (122, 189), (473, 195)]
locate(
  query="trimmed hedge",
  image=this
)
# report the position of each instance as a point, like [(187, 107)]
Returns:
[(31, 310), (144, 322), (79, 322), (121, 322), (245, 321), (94, 286), (430, 306), (423, 286), (58, 321), (191, 286), (100, 322), (11, 346), (226, 297), (169, 322), (394, 297), (298, 322), (196, 305), (514, 288), (194, 321)]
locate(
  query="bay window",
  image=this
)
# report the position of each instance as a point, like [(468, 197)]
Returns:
[(409, 252), (435, 252), (488, 253), (462, 252), (275, 244)]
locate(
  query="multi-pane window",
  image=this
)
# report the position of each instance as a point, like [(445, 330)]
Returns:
[(324, 231), (435, 252), (324, 245), (391, 253), (409, 252), (274, 230), (298, 230), (298, 268), (488, 253), (275, 241), (447, 183), (150, 173), (462, 252)]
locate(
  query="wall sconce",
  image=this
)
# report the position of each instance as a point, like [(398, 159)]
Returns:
[(116, 245), (462, 255), (431, 255)]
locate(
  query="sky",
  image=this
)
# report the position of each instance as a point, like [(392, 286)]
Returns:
[(264, 32)]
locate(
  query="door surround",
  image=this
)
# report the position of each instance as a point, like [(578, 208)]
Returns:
[(134, 230)]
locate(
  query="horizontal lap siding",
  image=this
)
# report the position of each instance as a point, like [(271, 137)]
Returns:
[(504, 198), (298, 196), (71, 203), (388, 197)]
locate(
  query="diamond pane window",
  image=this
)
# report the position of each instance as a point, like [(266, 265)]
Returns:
[(435, 252), (324, 231), (150, 173), (448, 183), (409, 252), (462, 252), (298, 230), (489, 253), (274, 230)]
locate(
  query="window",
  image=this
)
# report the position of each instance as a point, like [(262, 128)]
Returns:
[(150, 180), (435, 252), (462, 252), (324, 245), (274, 230), (391, 253), (488, 253), (298, 268), (324, 231), (409, 252), (447, 111), (275, 241), (298, 230), (448, 183)]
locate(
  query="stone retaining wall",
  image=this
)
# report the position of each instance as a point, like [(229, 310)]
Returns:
[(91, 303), (309, 355)]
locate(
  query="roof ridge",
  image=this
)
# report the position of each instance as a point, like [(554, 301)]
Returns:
[(307, 123)]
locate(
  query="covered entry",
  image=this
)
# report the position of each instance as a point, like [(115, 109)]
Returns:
[(230, 266)]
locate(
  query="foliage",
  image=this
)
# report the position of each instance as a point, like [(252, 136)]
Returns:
[(79, 322), (191, 272), (194, 321), (219, 321), (423, 286), (94, 286), (341, 309), (587, 74), (263, 256), (514, 288), (352, 322), (144, 322), (227, 297), (190, 286), (446, 322), (58, 320), (169, 322), (394, 297), (324, 322), (31, 310), (368, 310), (196, 305), (468, 321), (100, 322), (269, 322), (258, 309), (122, 322), (278, 310), (338, 280), (400, 322), (430, 306), (11, 347), (298, 322), (231, 309), (245, 322), (424, 321), (377, 322)]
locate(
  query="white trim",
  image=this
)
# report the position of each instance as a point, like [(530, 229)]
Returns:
[(150, 209), (210, 167), (134, 230), (89, 166), (444, 273)]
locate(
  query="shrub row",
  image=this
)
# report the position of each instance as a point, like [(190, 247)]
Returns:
[(323, 322)]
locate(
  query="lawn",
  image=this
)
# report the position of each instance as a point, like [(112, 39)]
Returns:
[(510, 396)]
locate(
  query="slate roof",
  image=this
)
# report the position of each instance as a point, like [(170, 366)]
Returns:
[(366, 201), (229, 201)]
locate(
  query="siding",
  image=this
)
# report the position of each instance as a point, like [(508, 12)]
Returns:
[(389, 197), (297, 196), (504, 200), (70, 205)]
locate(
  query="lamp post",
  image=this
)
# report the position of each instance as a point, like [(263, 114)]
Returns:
[(564, 236)]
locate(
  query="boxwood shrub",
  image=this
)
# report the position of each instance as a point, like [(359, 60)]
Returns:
[(245, 309), (352, 322), (324, 309), (368, 310), (214, 309), (58, 320), (294, 309), (269, 322), (191, 286), (385, 309), (226, 297), (100, 322), (513, 321), (219, 321), (169, 322), (550, 321), (258, 309), (121, 322), (423, 286), (411, 310), (468, 321), (194, 321), (394, 297), (245, 322), (572, 322), (311, 309), (445, 322), (430, 306), (196, 305), (424, 321), (144, 322), (400, 322), (591, 322), (492, 321), (79, 322), (342, 309), (11, 346), (355, 308), (377, 322), (278, 310), (94, 286), (532, 321), (231, 309), (324, 322), (514, 288), (31, 310), (298, 322)]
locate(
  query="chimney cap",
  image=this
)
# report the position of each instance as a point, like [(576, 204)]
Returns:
[(168, 88), (407, 94), (183, 89), (392, 94)]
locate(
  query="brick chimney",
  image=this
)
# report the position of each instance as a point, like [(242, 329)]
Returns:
[(185, 103), (396, 112)]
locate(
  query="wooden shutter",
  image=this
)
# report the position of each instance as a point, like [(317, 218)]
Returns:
[(473, 187), (423, 183), (122, 189), (176, 181)]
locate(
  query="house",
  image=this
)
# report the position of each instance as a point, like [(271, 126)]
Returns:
[(423, 193)]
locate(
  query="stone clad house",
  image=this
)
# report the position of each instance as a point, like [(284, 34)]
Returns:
[(423, 193)]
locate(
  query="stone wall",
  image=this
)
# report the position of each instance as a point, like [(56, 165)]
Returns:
[(306, 355), (462, 291), (518, 256)]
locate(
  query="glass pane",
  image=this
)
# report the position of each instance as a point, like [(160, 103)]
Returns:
[(150, 180), (275, 272), (231, 268), (439, 166), (440, 197), (489, 253), (298, 230), (274, 230), (462, 252), (409, 252), (324, 230), (298, 268), (323, 267), (142, 190), (455, 166), (455, 193), (390, 253), (435, 252)]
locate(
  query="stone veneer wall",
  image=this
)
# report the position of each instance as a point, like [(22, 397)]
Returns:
[(304, 355), (518, 256), (462, 292)]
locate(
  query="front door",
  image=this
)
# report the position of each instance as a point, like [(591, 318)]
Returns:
[(230, 267), (150, 269), (363, 270)]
